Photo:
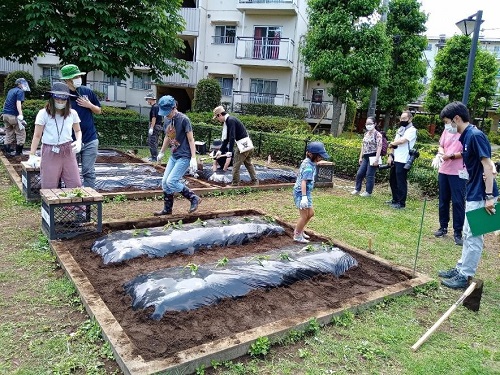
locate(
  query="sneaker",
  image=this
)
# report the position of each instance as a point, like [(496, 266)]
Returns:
[(365, 194), (355, 192), (457, 282), (300, 238), (448, 274), (441, 232), (458, 239), (397, 206), (305, 235), (390, 201)]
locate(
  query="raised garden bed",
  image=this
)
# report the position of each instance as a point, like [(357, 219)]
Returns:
[(184, 340)]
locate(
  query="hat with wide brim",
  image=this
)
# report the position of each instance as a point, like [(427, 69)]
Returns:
[(60, 89), (71, 71), (166, 104)]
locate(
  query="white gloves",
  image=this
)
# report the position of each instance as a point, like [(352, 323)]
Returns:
[(34, 161), (160, 156), (20, 118), (76, 146), (193, 164), (150, 131), (218, 154), (22, 124), (437, 161), (304, 202)]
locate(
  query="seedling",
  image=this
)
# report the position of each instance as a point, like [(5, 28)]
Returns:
[(76, 192), (193, 268), (285, 256), (144, 232), (201, 222), (269, 219), (260, 259), (222, 262), (247, 219), (167, 226), (177, 225), (120, 198), (261, 347), (225, 221), (310, 248)]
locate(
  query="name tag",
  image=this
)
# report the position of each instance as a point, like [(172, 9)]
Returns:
[(463, 174), (55, 149)]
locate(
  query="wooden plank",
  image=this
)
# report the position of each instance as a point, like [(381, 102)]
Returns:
[(29, 168), (49, 196), (92, 195)]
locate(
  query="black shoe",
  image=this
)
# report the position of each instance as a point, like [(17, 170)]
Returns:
[(458, 239), (397, 206), (448, 274), (390, 202), (441, 232)]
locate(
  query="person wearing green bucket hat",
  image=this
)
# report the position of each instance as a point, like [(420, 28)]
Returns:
[(86, 103)]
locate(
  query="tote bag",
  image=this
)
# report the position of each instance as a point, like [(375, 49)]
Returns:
[(245, 144)]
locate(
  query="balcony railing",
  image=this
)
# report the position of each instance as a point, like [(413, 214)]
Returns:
[(244, 97), (264, 48), (223, 39), (266, 1), (319, 110), (192, 18), (113, 92), (177, 79), (10, 66)]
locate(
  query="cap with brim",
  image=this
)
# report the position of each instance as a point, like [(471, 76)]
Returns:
[(318, 148), (60, 90), (217, 111), (71, 71), (166, 104), (150, 95)]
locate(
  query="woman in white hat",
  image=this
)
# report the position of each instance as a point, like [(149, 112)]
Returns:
[(54, 125)]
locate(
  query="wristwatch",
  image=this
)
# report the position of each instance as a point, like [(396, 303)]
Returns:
[(489, 196)]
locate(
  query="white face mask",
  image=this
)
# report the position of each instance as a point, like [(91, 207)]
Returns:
[(60, 105), (447, 127), (77, 82), (369, 127), (452, 129)]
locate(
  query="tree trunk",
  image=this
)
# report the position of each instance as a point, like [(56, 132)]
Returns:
[(335, 129), (387, 119)]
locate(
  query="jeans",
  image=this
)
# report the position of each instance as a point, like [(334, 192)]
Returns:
[(451, 189), (473, 245), (174, 171), (88, 155), (365, 169), (399, 184)]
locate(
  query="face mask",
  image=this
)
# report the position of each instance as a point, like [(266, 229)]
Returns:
[(370, 127), (404, 123), (453, 129), (60, 105), (447, 127), (77, 82)]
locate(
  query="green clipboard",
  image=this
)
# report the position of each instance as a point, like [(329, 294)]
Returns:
[(481, 222)]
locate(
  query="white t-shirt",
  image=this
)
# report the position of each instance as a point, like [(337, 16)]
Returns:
[(57, 130), (402, 152)]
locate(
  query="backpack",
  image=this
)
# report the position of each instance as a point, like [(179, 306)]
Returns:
[(385, 143)]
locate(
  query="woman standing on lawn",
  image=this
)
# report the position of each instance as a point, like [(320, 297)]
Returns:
[(54, 125), (370, 148), (304, 186)]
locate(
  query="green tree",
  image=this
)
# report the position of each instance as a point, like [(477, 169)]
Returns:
[(207, 95), (403, 79), (344, 46), (111, 36), (449, 74)]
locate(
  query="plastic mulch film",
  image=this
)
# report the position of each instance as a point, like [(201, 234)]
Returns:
[(194, 286), (111, 177), (184, 238), (263, 173)]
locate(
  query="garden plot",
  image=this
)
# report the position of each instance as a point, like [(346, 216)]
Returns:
[(182, 339)]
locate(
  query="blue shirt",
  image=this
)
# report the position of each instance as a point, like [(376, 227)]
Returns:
[(154, 113), (475, 147), (89, 131), (176, 133), (13, 96), (307, 171)]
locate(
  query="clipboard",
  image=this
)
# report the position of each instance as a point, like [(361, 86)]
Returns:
[(371, 160), (481, 222)]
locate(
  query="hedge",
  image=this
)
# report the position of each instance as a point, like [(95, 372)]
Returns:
[(298, 113)]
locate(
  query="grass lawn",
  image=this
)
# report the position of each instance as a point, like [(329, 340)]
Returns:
[(43, 328)]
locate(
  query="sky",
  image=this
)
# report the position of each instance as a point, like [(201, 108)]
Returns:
[(443, 14)]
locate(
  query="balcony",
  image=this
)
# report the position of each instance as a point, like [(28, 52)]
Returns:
[(7, 66), (192, 18), (268, 7), (244, 97), (178, 80), (264, 52), (115, 94)]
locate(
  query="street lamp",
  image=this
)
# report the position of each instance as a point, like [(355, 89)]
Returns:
[(467, 26)]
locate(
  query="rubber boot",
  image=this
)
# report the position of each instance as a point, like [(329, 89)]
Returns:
[(19, 150), (8, 151), (192, 197), (168, 203)]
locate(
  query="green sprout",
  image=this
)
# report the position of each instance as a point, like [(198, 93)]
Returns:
[(285, 256), (222, 262), (225, 221), (177, 225), (193, 268), (260, 259), (167, 226), (201, 222), (269, 219), (309, 248)]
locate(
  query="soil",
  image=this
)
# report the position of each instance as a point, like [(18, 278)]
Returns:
[(177, 331)]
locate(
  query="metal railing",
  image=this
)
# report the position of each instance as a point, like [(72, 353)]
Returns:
[(264, 48), (11, 66), (191, 72), (218, 39), (243, 97), (266, 1), (192, 18), (113, 92)]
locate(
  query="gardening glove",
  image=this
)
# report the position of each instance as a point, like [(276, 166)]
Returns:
[(218, 154), (34, 161), (437, 161), (193, 164), (76, 146), (22, 124), (150, 131), (160, 156), (304, 202), (20, 118)]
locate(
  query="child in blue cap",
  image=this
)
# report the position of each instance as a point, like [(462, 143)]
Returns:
[(303, 188)]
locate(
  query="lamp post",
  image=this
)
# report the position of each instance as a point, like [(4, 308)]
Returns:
[(467, 26)]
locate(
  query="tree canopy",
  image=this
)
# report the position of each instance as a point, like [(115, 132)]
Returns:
[(344, 46), (449, 74), (111, 36)]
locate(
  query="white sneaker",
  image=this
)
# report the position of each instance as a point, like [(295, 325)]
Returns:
[(305, 235), (365, 194), (354, 192), (300, 238)]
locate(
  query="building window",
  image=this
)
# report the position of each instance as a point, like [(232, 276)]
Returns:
[(51, 73), (496, 50), (141, 81), (226, 84), (263, 91), (224, 34)]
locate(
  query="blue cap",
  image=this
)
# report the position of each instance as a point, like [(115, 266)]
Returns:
[(166, 104), (318, 148)]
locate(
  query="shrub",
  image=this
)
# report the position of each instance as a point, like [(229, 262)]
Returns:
[(207, 95), (421, 121), (298, 113), (494, 138), (41, 88), (10, 81)]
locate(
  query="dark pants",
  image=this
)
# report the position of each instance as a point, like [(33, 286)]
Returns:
[(153, 141), (368, 171), (399, 184), (451, 188)]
